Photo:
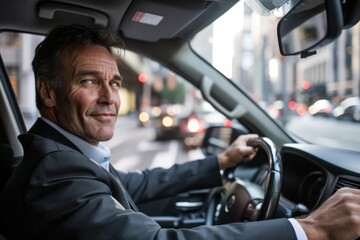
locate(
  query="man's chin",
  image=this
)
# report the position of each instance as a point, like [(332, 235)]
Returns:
[(105, 139), (105, 136)]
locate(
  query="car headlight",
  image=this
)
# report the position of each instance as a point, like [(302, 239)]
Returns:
[(168, 121)]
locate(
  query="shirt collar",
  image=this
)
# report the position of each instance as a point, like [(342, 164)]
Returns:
[(100, 153)]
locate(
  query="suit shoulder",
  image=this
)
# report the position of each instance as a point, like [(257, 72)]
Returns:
[(46, 154), (41, 145)]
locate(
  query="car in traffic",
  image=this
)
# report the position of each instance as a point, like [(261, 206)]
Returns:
[(235, 54), (202, 117), (321, 108), (171, 121), (283, 113), (348, 109), (168, 121)]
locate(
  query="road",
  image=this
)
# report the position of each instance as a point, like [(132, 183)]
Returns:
[(134, 148), (327, 131)]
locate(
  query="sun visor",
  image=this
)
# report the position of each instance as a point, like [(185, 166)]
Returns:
[(153, 20), (265, 7)]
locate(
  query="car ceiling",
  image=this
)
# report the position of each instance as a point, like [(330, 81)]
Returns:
[(141, 20)]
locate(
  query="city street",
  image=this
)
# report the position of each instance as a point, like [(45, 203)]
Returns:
[(327, 131), (134, 148)]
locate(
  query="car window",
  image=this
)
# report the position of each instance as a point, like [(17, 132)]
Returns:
[(315, 98), (17, 52), (162, 117)]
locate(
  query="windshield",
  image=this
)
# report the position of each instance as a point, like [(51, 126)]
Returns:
[(316, 98)]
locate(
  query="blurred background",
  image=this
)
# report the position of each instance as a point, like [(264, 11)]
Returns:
[(163, 118)]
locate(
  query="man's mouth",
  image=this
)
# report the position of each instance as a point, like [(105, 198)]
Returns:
[(104, 116)]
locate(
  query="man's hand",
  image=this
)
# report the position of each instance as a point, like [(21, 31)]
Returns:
[(237, 152), (336, 218)]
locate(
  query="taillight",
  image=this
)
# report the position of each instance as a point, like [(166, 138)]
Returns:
[(227, 123), (292, 105), (327, 110), (301, 110)]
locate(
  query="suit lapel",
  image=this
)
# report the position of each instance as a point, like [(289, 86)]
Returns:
[(118, 191), (128, 197)]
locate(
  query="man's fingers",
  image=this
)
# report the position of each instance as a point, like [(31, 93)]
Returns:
[(249, 137)]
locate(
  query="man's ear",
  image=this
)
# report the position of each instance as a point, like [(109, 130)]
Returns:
[(46, 93)]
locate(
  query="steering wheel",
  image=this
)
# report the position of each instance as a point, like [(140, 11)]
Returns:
[(242, 200)]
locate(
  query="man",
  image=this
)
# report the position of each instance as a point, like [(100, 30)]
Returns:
[(65, 187)]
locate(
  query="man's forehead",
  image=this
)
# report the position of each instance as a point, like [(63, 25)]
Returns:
[(91, 57), (93, 52)]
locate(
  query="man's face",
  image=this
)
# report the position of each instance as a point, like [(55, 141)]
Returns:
[(88, 101)]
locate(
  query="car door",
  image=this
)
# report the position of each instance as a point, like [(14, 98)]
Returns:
[(11, 124)]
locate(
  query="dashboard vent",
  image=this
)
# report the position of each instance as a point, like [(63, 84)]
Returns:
[(345, 182)]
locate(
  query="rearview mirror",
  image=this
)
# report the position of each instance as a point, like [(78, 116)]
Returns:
[(309, 26)]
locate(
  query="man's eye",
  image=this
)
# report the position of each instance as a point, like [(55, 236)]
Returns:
[(87, 82), (115, 85)]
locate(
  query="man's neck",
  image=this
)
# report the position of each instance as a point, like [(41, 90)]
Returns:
[(100, 153)]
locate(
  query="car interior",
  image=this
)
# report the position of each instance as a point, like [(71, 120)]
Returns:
[(288, 177)]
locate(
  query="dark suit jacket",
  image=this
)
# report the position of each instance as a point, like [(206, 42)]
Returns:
[(59, 193)]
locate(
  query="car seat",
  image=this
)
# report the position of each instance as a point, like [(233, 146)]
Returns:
[(6, 168), (6, 164)]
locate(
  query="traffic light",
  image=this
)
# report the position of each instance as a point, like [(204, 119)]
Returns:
[(306, 85), (142, 77)]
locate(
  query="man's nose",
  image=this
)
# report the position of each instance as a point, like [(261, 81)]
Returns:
[(106, 94)]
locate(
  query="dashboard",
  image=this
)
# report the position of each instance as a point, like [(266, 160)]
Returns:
[(312, 173)]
